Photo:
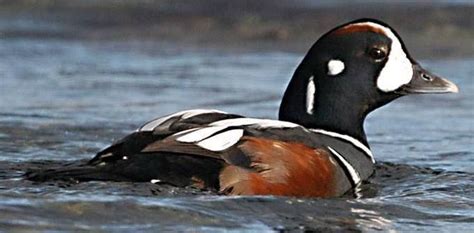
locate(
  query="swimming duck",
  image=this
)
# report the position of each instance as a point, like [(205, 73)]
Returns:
[(317, 147)]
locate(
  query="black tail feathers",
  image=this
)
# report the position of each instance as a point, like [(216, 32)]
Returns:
[(73, 173)]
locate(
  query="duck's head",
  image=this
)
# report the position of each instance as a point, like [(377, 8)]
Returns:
[(350, 71)]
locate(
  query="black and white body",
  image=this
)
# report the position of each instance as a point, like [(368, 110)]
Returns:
[(318, 146)]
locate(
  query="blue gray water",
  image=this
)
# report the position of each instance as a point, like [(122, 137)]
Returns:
[(65, 100)]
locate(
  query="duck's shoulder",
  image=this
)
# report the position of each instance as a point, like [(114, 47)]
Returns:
[(184, 120), (158, 129)]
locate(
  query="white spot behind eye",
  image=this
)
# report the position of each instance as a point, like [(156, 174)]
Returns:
[(335, 67), (310, 90), (155, 181)]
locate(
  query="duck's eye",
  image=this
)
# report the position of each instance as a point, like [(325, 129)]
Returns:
[(377, 54)]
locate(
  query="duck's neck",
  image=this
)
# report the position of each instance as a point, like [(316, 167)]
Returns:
[(337, 110), (330, 116), (339, 118)]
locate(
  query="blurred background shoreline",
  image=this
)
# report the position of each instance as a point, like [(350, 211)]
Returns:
[(430, 29)]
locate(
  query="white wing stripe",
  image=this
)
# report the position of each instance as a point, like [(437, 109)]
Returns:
[(200, 134), (222, 141)]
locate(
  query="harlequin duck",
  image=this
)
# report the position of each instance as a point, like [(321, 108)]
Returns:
[(317, 148)]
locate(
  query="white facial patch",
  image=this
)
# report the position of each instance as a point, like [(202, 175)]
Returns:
[(310, 91), (335, 67), (398, 70)]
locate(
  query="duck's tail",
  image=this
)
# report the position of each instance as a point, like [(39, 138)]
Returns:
[(75, 173)]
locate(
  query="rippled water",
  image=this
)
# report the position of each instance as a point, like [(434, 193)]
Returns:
[(64, 100)]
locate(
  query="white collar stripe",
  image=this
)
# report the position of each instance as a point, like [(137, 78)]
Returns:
[(350, 139), (354, 175)]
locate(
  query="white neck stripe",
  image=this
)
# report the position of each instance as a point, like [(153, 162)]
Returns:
[(310, 90), (350, 139), (355, 177)]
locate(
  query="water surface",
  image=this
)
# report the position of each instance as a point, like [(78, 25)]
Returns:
[(62, 101)]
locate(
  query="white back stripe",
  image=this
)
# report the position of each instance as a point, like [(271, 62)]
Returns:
[(350, 139), (254, 121), (310, 91), (355, 177), (222, 141), (150, 126)]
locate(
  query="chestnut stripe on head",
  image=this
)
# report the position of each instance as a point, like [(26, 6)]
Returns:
[(358, 27)]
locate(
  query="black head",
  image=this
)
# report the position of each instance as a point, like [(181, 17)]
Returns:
[(350, 71)]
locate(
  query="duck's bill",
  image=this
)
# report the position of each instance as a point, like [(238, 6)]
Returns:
[(424, 82)]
